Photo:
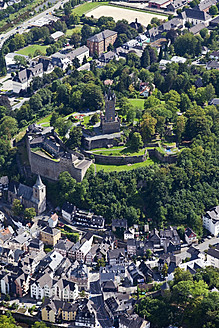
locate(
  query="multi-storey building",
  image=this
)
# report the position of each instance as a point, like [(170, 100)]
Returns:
[(99, 43)]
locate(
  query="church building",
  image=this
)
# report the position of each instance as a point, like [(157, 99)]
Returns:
[(29, 197)]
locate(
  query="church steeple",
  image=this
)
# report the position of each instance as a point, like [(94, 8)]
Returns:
[(39, 195), (39, 183)]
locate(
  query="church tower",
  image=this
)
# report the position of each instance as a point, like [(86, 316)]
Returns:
[(39, 195)]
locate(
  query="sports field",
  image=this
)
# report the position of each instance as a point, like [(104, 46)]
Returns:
[(120, 13)]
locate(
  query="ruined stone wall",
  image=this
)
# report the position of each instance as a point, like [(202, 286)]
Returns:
[(117, 160)]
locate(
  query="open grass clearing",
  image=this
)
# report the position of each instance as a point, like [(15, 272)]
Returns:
[(120, 151), (85, 7), (45, 121), (30, 50), (139, 103), (73, 30), (120, 168), (119, 13)]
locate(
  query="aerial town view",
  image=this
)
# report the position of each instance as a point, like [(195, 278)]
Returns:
[(109, 184)]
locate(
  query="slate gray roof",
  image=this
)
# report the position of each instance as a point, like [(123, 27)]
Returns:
[(214, 212), (77, 52), (197, 28), (203, 5), (102, 36), (213, 252), (196, 14)]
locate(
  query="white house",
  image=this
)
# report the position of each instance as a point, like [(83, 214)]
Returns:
[(211, 221), (79, 53), (53, 220), (190, 236), (67, 211), (22, 79), (129, 234), (58, 34), (48, 287), (213, 257)]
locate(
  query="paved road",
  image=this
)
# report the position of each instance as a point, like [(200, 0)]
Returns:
[(97, 298), (25, 25)]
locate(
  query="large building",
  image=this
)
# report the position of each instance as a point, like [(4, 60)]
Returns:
[(29, 197), (99, 43), (110, 123), (211, 221)]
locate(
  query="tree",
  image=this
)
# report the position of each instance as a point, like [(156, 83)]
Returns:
[(151, 101), (145, 58), (7, 321), (180, 126), (185, 44), (3, 70), (101, 263), (75, 39), (76, 62), (213, 10), (86, 32), (164, 270), (74, 19), (36, 102), (75, 136), (136, 141), (63, 126), (181, 291), (94, 119), (131, 114), (17, 207), (29, 213), (8, 127), (20, 61), (93, 97), (148, 126)]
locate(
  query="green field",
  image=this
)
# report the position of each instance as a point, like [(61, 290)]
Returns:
[(76, 29), (84, 8), (139, 103), (119, 168), (30, 50), (45, 121), (118, 151)]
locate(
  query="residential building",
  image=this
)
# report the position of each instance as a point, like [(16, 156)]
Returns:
[(213, 256), (79, 53), (54, 310), (67, 211), (190, 236), (119, 223), (22, 79), (134, 275), (107, 56), (99, 43), (205, 5), (86, 315), (158, 3), (133, 321), (58, 34), (79, 275), (36, 245), (29, 197), (22, 283), (195, 16), (129, 234), (214, 55), (116, 256), (88, 219), (63, 247), (60, 60), (131, 247), (50, 236), (53, 220), (213, 64), (176, 4), (211, 220)]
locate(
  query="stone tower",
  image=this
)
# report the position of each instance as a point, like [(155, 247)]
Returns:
[(39, 195), (110, 122)]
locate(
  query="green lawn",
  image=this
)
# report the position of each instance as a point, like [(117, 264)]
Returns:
[(30, 50), (76, 29), (119, 168), (119, 151), (137, 103), (45, 121), (84, 8)]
